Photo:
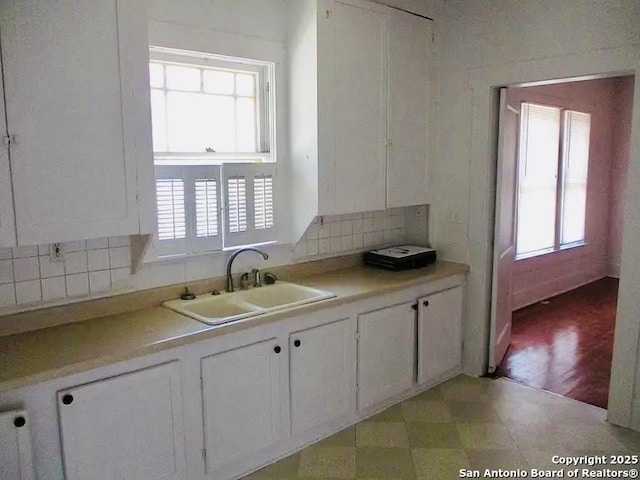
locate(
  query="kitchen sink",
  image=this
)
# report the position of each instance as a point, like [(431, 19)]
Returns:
[(229, 307)]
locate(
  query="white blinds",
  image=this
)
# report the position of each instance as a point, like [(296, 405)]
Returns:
[(576, 167), (191, 200), (249, 203), (537, 178)]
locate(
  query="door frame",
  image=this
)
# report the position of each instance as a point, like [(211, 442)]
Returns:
[(485, 83)]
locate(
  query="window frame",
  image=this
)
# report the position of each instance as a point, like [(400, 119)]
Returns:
[(192, 166), (558, 246), (265, 103)]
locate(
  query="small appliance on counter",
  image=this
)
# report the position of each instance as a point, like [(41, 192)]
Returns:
[(400, 257)]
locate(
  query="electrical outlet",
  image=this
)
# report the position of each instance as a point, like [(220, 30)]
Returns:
[(56, 253)]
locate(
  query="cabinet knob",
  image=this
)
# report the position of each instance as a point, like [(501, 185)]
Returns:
[(277, 349), (19, 422), (67, 399), (415, 306), (426, 303), (297, 343)]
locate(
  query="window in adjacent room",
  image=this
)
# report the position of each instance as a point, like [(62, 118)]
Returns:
[(552, 179), (213, 139)]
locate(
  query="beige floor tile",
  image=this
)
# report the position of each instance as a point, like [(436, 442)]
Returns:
[(381, 434), (433, 435), (377, 462), (496, 459), (535, 437), (473, 412), (434, 393), (426, 411), (391, 414), (327, 462), (480, 436), (522, 412), (344, 438), (285, 469), (588, 437), (464, 389), (439, 464)]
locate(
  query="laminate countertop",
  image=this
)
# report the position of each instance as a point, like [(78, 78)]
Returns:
[(41, 355)]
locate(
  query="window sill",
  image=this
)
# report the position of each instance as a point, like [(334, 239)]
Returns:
[(542, 253)]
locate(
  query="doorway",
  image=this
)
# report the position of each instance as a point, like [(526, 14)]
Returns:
[(563, 155)]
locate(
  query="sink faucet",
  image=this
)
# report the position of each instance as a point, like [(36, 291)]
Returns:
[(233, 257)]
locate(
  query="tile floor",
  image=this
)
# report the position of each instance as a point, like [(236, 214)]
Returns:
[(565, 344), (465, 423)]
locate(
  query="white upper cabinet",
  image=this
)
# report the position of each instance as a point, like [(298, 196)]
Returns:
[(408, 107), (352, 64), (129, 426), (76, 89), (7, 219), (359, 78)]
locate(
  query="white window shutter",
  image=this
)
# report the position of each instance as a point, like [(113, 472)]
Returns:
[(249, 203), (188, 199), (206, 228), (172, 216)]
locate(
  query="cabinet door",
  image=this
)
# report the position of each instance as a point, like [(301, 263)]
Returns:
[(7, 219), (129, 426), (73, 72), (322, 360), (439, 334), (242, 396), (16, 461), (353, 168), (386, 353), (409, 68)]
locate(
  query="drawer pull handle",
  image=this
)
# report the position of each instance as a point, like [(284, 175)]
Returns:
[(19, 422), (277, 349), (426, 303), (297, 343), (67, 399)]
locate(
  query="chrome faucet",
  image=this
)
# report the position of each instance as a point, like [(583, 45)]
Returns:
[(233, 257)]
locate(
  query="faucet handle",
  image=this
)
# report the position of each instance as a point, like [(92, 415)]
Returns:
[(244, 281), (270, 278), (257, 277)]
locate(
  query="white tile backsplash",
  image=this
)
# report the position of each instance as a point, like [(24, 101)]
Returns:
[(77, 284), (337, 235), (50, 269), (99, 281), (28, 292), (103, 265), (26, 269), (6, 271), (98, 259), (21, 252), (7, 295), (75, 262), (53, 288)]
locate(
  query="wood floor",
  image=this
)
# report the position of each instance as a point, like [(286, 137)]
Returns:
[(564, 345)]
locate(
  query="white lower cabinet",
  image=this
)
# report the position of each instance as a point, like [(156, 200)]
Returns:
[(439, 334), (386, 353), (125, 427), (322, 366), (16, 460), (242, 394)]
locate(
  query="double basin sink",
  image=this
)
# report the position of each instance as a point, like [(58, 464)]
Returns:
[(231, 306)]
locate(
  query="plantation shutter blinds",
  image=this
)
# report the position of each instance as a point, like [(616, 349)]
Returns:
[(249, 203), (188, 200), (574, 186), (537, 175)]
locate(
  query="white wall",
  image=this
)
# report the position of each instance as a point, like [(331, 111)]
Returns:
[(488, 43)]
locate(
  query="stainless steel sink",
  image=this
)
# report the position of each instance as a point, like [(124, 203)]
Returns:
[(229, 307)]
